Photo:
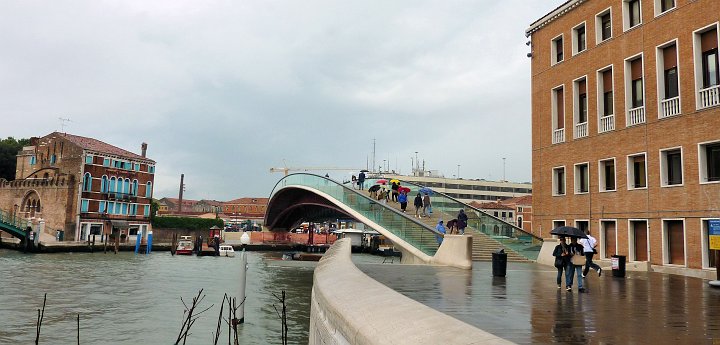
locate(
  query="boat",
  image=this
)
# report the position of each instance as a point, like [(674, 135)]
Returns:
[(226, 250), (185, 246)]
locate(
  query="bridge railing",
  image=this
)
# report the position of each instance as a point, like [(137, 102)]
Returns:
[(13, 220), (511, 236), (408, 229)]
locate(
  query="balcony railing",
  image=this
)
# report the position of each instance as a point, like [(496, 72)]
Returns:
[(120, 196), (670, 107), (636, 116), (558, 136), (709, 97), (607, 123), (581, 130)]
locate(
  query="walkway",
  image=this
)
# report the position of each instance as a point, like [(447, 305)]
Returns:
[(526, 307)]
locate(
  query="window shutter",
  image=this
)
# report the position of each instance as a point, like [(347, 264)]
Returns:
[(636, 69), (607, 81), (670, 57), (560, 108), (709, 40)]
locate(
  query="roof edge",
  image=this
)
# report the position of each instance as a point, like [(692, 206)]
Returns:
[(556, 13)]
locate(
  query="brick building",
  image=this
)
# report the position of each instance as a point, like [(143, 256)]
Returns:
[(625, 121), (82, 186), (523, 211)]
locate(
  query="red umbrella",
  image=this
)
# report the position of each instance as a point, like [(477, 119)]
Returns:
[(381, 181), (404, 189)]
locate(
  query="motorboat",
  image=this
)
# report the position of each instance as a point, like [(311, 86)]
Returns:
[(185, 246), (226, 250)]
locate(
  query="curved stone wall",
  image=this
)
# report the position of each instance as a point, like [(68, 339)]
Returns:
[(348, 307)]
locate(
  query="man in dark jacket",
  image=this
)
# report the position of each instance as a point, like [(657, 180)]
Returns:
[(361, 180), (462, 221)]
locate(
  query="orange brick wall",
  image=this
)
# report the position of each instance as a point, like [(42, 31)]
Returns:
[(691, 201)]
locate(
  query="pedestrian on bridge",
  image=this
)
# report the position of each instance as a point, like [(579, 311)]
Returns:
[(441, 229), (402, 198), (418, 202), (427, 207), (462, 219), (361, 180)]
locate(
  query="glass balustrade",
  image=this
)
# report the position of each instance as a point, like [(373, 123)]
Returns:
[(408, 229), (447, 208)]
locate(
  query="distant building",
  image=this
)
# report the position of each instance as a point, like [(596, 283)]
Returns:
[(523, 211), (497, 210), (469, 190), (246, 208), (81, 186)]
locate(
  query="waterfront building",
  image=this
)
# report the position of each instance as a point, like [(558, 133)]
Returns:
[(467, 190), (81, 186), (625, 139)]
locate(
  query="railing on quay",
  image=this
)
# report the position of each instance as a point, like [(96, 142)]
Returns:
[(19, 223), (408, 229)]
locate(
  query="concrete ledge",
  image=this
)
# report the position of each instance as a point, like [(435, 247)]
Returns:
[(455, 251), (348, 307)]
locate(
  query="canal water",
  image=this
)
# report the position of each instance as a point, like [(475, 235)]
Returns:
[(128, 299)]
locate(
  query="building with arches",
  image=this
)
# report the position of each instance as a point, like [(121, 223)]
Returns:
[(81, 186)]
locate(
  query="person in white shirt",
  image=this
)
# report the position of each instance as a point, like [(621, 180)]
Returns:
[(589, 245)]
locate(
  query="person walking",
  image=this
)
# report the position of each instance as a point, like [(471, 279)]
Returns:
[(395, 186), (562, 259), (589, 245), (382, 196), (361, 180), (402, 199), (441, 229), (418, 205), (354, 181), (427, 206), (462, 219), (574, 248)]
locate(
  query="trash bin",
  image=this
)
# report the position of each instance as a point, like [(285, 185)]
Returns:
[(499, 263), (618, 265)]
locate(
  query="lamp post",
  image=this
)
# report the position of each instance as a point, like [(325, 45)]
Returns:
[(458, 174)]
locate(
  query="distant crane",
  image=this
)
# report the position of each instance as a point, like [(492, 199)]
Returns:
[(286, 170)]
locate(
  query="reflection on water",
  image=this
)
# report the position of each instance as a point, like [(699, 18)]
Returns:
[(128, 299)]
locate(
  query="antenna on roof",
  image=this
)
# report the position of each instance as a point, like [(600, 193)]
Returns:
[(62, 123)]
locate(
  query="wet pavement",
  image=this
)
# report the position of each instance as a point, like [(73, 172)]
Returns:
[(526, 307)]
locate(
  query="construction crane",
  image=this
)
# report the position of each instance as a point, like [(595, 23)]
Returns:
[(287, 170)]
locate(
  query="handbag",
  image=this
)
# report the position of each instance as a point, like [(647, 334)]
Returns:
[(559, 262), (578, 260)]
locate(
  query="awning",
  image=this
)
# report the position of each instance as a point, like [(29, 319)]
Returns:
[(123, 224)]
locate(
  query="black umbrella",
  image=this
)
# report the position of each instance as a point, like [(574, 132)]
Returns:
[(374, 188), (568, 231), (364, 170)]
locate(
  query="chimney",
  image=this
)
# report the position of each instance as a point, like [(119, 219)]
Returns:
[(143, 149)]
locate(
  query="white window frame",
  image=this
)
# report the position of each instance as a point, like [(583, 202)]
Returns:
[(631, 171), (663, 167), (598, 26), (555, 225), (632, 251), (575, 178), (665, 249), (583, 220), (555, 182), (553, 50), (658, 7), (600, 97), (554, 111), (576, 107), (702, 162), (697, 59), (660, 74), (628, 87), (601, 239), (626, 15), (575, 48), (704, 242), (601, 175)]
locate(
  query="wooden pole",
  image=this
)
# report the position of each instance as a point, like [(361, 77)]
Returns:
[(78, 328), (717, 264)]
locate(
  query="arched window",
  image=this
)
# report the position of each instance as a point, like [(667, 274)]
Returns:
[(126, 186), (104, 184), (134, 190), (148, 190), (111, 188), (87, 182)]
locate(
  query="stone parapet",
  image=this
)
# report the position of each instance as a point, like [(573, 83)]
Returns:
[(348, 307)]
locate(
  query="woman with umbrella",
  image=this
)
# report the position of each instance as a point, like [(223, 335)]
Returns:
[(568, 251), (395, 184), (562, 260)]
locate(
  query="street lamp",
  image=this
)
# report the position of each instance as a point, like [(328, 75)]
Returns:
[(458, 174)]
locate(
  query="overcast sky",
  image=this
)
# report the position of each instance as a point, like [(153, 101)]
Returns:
[(224, 90)]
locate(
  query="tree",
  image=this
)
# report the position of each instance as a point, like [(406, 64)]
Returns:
[(9, 149)]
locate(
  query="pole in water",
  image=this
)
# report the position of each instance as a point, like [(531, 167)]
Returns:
[(138, 239), (240, 318), (149, 243)]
